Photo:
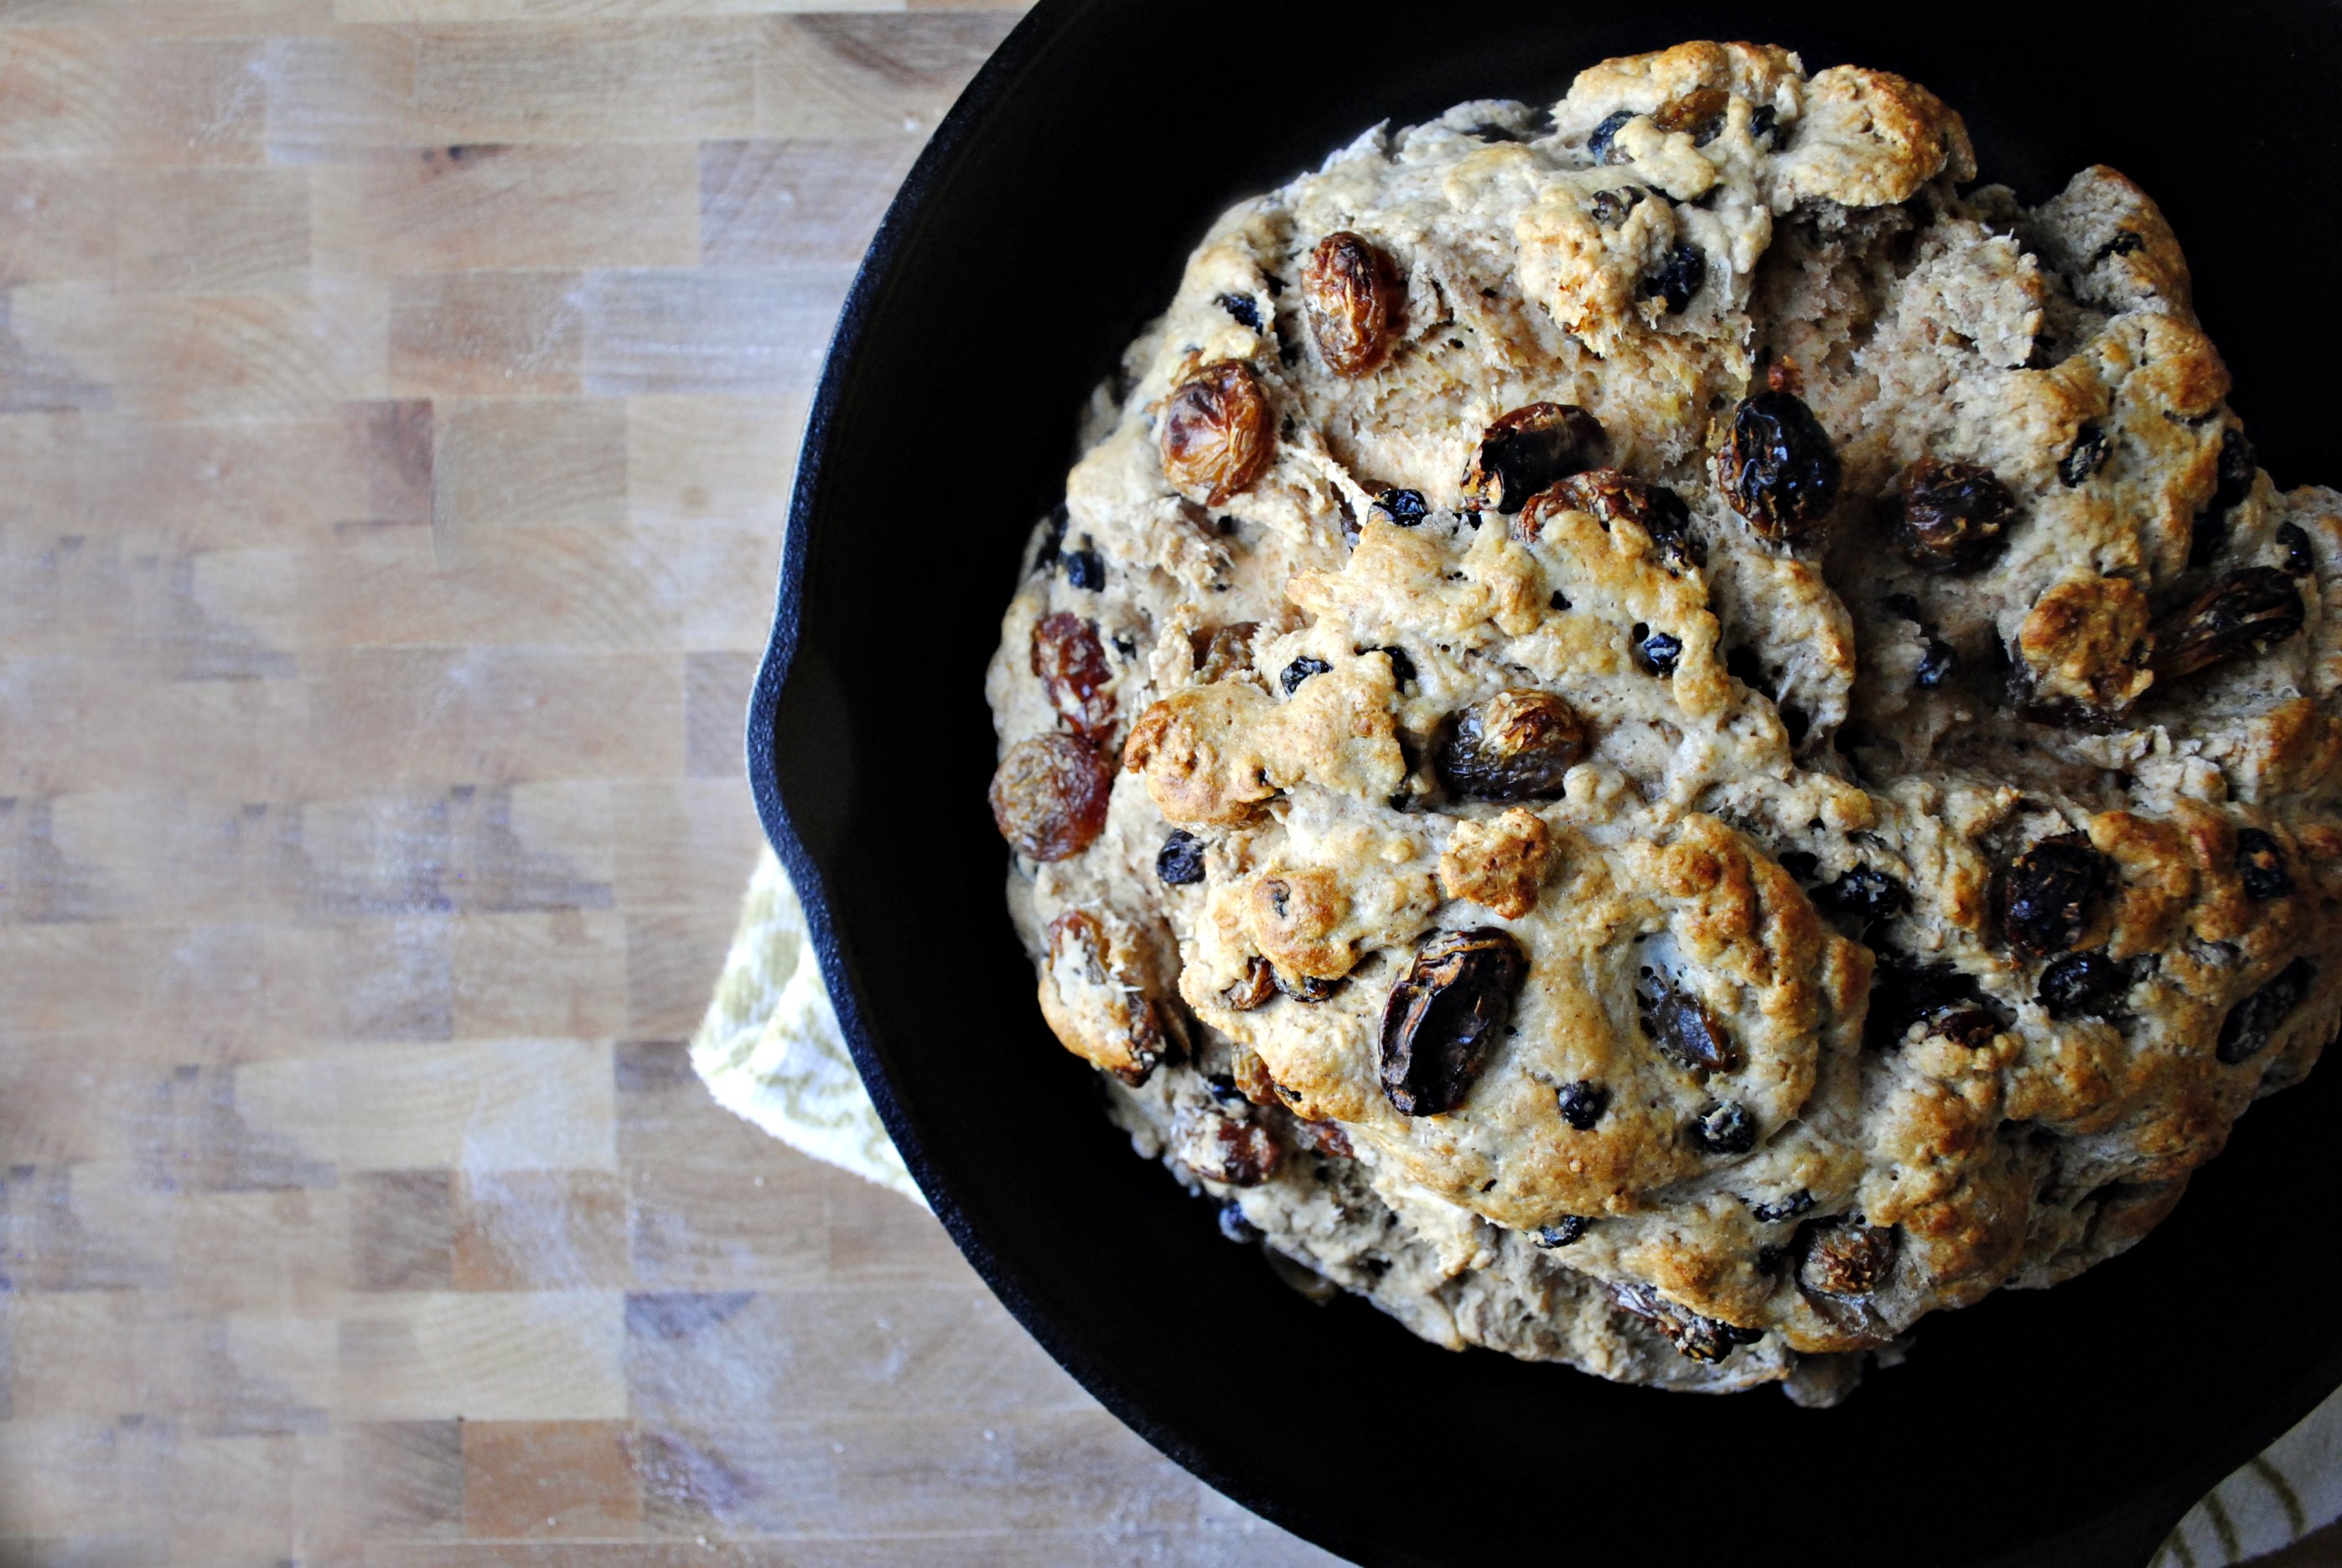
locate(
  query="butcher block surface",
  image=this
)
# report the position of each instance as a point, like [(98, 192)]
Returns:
[(398, 407)]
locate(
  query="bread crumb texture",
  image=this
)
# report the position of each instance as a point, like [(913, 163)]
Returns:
[(1679, 736)]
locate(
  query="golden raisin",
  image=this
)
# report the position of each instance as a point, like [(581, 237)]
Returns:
[(1351, 294), (1948, 516), (2247, 611), (1327, 1138), (1844, 1256), (1217, 432), (1519, 745), (1050, 796), (1698, 113), (1223, 651), (1219, 1147), (1251, 1074), (1529, 448), (1094, 1001), (1607, 494), (1073, 670)]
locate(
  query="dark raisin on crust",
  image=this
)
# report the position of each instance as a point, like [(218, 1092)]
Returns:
[(1568, 1229), (1403, 507), (1938, 664), (1234, 1226), (1783, 1208), (1602, 144), (2300, 560), (1444, 1014), (2245, 612), (1529, 448), (1582, 1103), (1695, 1337), (1519, 745), (2083, 984), (1050, 796), (2125, 242), (1180, 862), (1300, 670), (2232, 485), (1668, 520), (1865, 892), (2260, 861), (1904, 991), (1778, 468), (2048, 893), (1609, 208), (1973, 1027), (1938, 660), (1675, 281), (1241, 308), (2085, 456), (1540, 125), (1949, 516), (1843, 1256), (1684, 1026), (1308, 989), (2239, 465), (1725, 1129), (1402, 667), (1082, 568), (2252, 1022), (1656, 651)]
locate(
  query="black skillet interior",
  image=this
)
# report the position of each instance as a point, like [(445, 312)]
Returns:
[(1049, 218)]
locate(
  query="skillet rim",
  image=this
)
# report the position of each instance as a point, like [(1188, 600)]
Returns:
[(1020, 56)]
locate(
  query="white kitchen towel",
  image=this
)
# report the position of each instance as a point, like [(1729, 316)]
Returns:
[(770, 1050)]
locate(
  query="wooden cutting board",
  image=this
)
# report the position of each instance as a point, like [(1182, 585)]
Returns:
[(398, 407), (397, 399)]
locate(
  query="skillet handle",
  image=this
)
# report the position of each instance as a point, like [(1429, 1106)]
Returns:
[(800, 749)]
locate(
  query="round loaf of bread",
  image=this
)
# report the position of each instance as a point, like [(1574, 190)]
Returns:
[(1658, 736)]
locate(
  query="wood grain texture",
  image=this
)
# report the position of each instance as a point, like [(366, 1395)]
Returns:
[(398, 407)]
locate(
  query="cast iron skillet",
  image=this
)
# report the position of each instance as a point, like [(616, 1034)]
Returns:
[(1049, 217)]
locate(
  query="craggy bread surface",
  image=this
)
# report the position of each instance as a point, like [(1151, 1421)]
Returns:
[(1659, 738)]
